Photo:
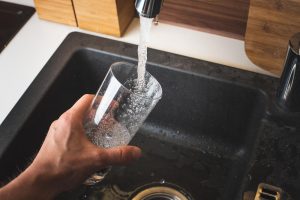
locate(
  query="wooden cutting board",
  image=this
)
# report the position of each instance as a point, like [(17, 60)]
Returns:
[(270, 25), (227, 18)]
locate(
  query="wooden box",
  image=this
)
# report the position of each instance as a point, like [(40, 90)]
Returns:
[(60, 11), (104, 16)]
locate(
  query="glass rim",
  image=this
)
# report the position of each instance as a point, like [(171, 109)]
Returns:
[(127, 64)]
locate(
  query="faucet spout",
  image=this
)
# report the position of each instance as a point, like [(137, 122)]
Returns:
[(148, 8), (288, 93)]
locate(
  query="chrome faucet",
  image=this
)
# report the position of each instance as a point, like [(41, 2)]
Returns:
[(288, 93), (148, 8)]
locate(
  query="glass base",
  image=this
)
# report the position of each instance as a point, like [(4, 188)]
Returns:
[(97, 177)]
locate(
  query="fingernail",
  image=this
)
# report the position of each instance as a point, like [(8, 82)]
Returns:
[(137, 153)]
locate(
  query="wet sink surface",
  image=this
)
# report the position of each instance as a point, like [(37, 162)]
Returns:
[(201, 136)]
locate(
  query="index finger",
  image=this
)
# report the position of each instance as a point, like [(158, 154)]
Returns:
[(82, 105)]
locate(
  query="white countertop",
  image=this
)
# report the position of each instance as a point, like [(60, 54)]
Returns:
[(31, 48)]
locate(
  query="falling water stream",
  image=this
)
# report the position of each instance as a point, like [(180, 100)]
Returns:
[(145, 26)]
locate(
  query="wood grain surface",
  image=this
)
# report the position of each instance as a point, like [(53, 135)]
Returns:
[(227, 18), (104, 16), (271, 23), (60, 11)]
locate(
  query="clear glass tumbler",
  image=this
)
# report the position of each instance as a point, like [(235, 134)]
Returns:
[(119, 109)]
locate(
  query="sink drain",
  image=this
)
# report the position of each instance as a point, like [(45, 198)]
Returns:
[(159, 191), (268, 192)]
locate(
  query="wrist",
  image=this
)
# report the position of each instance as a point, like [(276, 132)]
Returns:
[(30, 184), (40, 182)]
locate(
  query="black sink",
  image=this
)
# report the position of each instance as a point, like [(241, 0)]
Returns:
[(12, 18), (201, 136)]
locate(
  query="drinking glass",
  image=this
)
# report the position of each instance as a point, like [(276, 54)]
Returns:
[(119, 109)]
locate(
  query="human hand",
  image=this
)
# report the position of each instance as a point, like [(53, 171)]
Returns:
[(67, 157)]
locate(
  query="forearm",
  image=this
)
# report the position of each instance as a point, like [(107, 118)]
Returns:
[(65, 159), (27, 185)]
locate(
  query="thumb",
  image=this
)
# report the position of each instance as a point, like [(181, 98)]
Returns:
[(119, 155)]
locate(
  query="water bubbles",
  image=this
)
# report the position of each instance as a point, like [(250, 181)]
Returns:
[(162, 181), (249, 177), (83, 197), (108, 135)]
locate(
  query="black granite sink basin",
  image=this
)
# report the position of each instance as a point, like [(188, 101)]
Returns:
[(201, 136)]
